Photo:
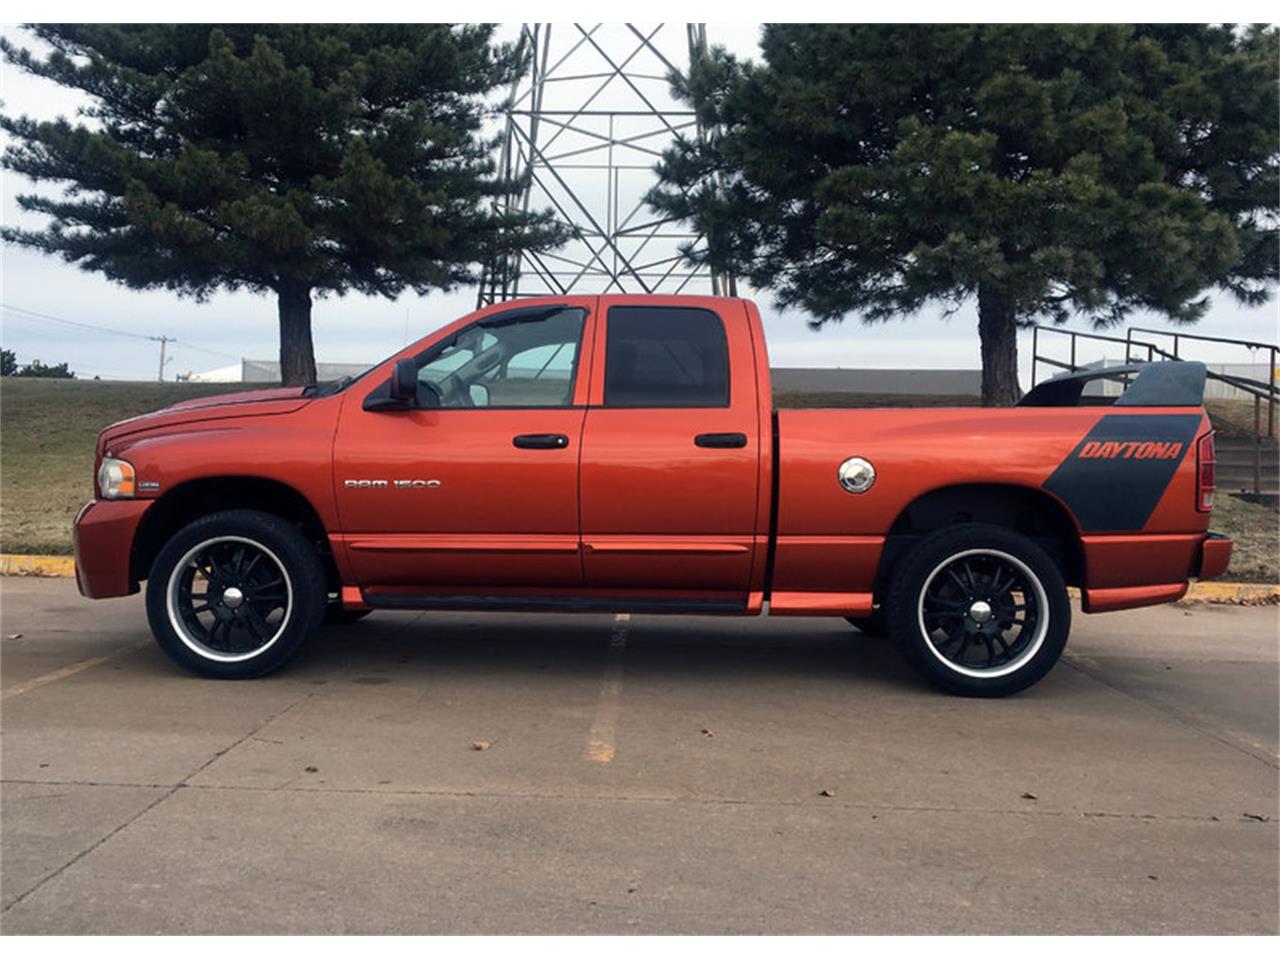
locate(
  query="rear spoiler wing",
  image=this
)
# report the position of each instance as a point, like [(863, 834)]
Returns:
[(1172, 383)]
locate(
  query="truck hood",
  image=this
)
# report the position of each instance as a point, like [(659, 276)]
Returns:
[(224, 406)]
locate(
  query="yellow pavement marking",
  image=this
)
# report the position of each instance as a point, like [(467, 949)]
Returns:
[(36, 565), (67, 671), (604, 727), (1214, 592)]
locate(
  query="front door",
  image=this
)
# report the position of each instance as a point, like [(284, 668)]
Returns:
[(477, 485), (671, 450)]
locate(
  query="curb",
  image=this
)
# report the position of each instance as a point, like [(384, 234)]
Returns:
[(44, 565), (36, 565), (1241, 593)]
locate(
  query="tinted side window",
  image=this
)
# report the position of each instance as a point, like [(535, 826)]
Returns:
[(665, 357)]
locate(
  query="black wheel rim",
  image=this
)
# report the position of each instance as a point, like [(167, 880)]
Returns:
[(984, 613), (229, 599)]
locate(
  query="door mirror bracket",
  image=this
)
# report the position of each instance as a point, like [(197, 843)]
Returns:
[(404, 382), (404, 391)]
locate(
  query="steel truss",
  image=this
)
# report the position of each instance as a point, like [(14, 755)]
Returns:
[(583, 130)]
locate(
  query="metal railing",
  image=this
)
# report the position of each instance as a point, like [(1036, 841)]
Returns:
[(1144, 350), (1256, 388)]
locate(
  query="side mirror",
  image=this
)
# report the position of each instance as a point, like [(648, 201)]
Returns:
[(479, 395), (404, 383)]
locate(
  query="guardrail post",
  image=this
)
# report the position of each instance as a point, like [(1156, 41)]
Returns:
[(1271, 401), (1257, 444)]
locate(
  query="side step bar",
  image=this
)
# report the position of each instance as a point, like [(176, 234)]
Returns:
[(436, 601)]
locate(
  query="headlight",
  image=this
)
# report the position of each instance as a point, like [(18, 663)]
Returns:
[(115, 479)]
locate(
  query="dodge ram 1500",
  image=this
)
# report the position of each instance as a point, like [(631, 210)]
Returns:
[(622, 453)]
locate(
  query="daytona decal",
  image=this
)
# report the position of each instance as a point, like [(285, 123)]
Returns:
[(1116, 475), (1134, 449)]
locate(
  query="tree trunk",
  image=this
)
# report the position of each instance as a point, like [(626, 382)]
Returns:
[(297, 356), (998, 333)]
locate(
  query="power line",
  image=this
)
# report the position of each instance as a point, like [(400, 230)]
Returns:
[(36, 316), (32, 314)]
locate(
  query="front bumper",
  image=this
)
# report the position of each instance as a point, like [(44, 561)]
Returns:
[(104, 535)]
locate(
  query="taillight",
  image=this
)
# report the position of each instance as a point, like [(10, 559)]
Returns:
[(1205, 473)]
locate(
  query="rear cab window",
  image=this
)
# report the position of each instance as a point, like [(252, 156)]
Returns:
[(665, 357)]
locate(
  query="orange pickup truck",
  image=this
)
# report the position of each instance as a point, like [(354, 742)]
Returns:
[(622, 453)]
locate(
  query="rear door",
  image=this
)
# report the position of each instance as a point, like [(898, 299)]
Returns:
[(671, 449)]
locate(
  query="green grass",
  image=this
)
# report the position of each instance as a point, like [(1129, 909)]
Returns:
[(1255, 532), (48, 429), (1234, 418)]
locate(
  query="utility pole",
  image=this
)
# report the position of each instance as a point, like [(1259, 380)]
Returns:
[(163, 343)]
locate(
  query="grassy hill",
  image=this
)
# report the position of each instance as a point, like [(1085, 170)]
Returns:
[(47, 433), (48, 429)]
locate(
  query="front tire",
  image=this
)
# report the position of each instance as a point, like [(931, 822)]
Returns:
[(235, 594), (874, 625), (979, 610)]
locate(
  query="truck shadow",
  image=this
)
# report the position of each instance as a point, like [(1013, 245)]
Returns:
[(672, 649)]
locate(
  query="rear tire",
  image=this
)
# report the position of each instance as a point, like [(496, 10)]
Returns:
[(235, 594), (336, 615), (979, 610)]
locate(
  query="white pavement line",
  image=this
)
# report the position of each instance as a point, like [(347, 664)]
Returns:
[(604, 727), (67, 671)]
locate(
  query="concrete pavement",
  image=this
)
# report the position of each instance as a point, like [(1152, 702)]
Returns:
[(645, 775)]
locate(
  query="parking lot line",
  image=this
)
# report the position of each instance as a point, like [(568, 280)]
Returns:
[(604, 726), (64, 672)]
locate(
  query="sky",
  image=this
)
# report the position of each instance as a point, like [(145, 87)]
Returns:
[(362, 329)]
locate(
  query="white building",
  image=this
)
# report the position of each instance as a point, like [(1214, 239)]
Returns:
[(268, 371)]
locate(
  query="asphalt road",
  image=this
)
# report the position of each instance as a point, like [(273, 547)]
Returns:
[(648, 775)]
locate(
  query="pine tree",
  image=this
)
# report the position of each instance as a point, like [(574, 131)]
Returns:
[(1045, 171), (294, 159)]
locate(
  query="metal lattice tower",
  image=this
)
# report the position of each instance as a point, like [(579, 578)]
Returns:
[(583, 130)]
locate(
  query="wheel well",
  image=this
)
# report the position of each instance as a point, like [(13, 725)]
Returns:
[(199, 498), (1033, 513)]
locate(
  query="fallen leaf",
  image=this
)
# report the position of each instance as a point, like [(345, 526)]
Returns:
[(1152, 876), (312, 769), (1028, 795), (708, 732), (481, 744), (15, 636), (826, 792), (1261, 818)]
